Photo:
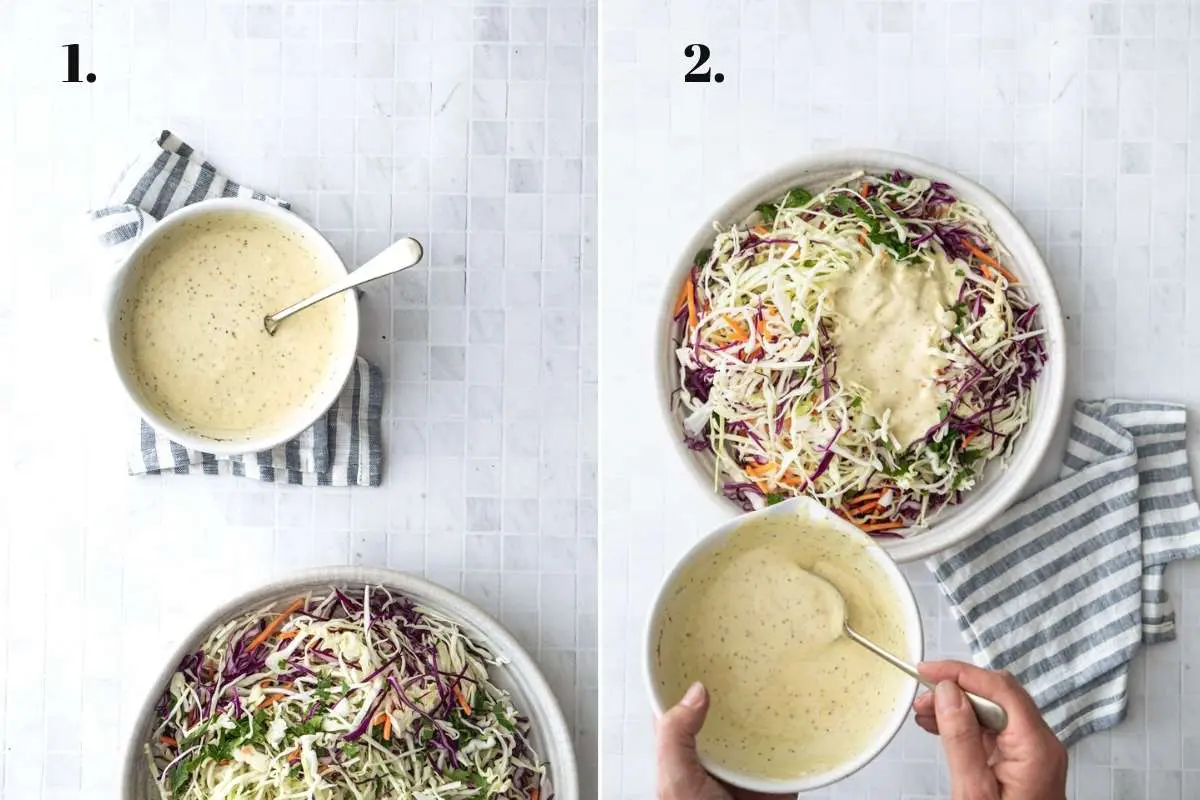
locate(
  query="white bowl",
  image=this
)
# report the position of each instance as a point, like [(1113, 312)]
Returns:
[(1000, 485), (549, 735), (294, 420), (913, 635)]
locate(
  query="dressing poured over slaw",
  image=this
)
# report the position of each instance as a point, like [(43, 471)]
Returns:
[(867, 347)]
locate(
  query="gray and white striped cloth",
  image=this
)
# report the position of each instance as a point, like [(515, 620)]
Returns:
[(1064, 588), (343, 448)]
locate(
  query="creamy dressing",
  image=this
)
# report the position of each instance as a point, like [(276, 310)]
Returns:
[(889, 321), (790, 696), (192, 325)]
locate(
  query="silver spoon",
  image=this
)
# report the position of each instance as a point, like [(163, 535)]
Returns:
[(399, 256), (990, 715)]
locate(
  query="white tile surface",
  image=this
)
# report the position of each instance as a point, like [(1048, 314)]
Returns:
[(1083, 116), (470, 126)]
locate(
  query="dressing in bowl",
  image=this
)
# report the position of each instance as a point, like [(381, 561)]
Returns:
[(188, 335), (794, 705)]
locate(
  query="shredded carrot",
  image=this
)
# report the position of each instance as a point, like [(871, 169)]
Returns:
[(762, 486), (533, 794), (276, 624), (758, 470), (292, 755), (875, 527), (462, 700), (862, 239), (168, 741), (969, 438), (741, 332), (269, 700), (681, 300), (689, 293), (283, 637), (760, 229), (866, 509), (993, 263), (864, 189), (793, 479), (387, 728), (862, 498)]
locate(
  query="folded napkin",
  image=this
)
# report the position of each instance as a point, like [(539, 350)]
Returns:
[(1064, 588), (343, 447)]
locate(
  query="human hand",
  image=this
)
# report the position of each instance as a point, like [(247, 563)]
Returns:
[(680, 776), (1025, 762)]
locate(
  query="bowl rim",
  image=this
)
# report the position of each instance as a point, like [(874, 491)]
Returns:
[(552, 726), (1002, 490), (321, 401), (914, 634)]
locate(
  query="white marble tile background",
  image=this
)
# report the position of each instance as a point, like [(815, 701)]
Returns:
[(469, 125), (1083, 116)]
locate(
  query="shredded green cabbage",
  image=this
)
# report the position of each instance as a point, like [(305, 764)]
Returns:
[(757, 367)]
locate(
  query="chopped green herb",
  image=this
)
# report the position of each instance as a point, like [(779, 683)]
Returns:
[(843, 203), (324, 684), (797, 326), (773, 498), (768, 211), (470, 777), (903, 462), (316, 724), (181, 774), (797, 197), (960, 317), (702, 256), (946, 445)]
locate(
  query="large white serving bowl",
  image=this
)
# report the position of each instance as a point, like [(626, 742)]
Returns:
[(1000, 485), (914, 638), (549, 735)]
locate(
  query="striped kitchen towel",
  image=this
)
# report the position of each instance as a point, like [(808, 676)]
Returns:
[(1064, 588), (342, 448)]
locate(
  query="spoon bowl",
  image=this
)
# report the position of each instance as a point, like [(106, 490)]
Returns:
[(990, 715), (901, 603)]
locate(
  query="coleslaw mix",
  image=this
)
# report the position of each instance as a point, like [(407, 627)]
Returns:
[(346, 694), (758, 369)]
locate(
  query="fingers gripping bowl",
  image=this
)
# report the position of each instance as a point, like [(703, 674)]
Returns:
[(350, 683), (874, 332)]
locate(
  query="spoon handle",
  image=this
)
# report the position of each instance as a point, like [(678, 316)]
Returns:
[(990, 715), (402, 254)]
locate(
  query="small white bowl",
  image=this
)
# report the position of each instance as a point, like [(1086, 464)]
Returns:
[(295, 419), (549, 735), (914, 638), (999, 486)]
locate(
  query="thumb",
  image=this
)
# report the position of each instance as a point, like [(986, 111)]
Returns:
[(963, 742), (679, 770)]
